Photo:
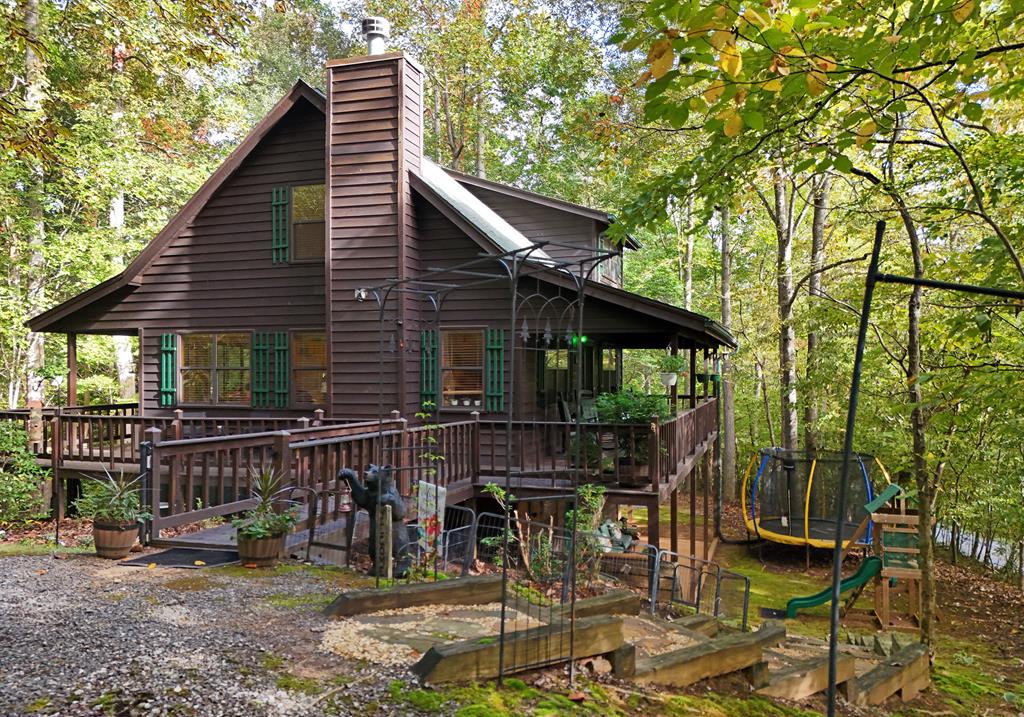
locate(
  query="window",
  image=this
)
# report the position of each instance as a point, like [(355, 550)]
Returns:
[(215, 368), (462, 367), (610, 270), (309, 368), (308, 237)]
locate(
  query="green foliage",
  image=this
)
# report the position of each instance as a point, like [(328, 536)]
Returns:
[(265, 521), (630, 406), (20, 477), (117, 500), (668, 363)]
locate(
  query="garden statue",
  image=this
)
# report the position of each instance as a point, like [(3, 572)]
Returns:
[(379, 491)]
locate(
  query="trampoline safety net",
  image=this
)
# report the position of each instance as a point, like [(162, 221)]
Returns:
[(793, 497)]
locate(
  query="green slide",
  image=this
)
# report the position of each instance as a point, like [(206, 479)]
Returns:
[(871, 567)]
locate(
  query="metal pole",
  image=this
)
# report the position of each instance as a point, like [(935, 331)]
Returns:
[(851, 420)]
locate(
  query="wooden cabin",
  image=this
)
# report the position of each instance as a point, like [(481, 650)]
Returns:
[(260, 297)]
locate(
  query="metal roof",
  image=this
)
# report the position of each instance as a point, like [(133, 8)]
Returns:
[(474, 211)]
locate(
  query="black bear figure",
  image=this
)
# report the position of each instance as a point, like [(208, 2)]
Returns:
[(379, 491)]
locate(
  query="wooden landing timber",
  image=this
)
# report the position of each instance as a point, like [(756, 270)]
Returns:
[(473, 590), (718, 656), (477, 659)]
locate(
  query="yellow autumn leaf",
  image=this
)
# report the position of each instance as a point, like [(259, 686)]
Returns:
[(753, 17), (963, 10), (772, 85), (714, 92), (740, 97), (200, 563), (661, 58), (733, 125), (151, 566), (865, 132), (816, 82), (825, 64), (730, 59), (719, 38), (792, 51)]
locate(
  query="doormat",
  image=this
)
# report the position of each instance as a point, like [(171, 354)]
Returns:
[(185, 558)]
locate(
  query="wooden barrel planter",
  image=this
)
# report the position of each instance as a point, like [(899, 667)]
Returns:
[(262, 553), (114, 540)]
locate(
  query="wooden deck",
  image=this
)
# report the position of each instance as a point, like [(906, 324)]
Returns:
[(208, 474)]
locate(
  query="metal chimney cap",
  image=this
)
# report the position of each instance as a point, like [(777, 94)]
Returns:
[(376, 30)]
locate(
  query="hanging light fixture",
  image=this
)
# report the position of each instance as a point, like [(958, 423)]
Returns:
[(525, 331), (548, 336)]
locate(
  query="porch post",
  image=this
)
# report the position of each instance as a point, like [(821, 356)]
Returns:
[(706, 481), (674, 520), (72, 398), (706, 377), (141, 373), (693, 377), (673, 392)]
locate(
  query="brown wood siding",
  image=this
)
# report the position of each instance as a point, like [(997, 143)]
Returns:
[(216, 274), (373, 140), (443, 245), (538, 222)]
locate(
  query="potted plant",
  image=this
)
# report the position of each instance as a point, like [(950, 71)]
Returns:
[(670, 367), (116, 510), (636, 409), (261, 530)]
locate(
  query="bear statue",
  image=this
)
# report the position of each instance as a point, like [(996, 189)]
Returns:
[(379, 491)]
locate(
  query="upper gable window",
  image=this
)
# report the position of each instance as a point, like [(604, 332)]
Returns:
[(308, 222)]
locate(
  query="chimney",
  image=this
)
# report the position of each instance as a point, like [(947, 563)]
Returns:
[(374, 139), (376, 30)]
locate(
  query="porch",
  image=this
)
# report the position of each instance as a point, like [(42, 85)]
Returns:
[(198, 468)]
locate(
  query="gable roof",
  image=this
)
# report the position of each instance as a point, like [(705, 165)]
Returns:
[(472, 210), (542, 199), (129, 279)]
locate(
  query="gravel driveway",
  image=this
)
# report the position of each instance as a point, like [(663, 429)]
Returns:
[(84, 636)]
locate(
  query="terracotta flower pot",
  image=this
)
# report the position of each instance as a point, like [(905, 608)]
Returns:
[(114, 539), (262, 552)]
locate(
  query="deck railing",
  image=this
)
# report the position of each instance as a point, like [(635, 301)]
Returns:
[(638, 456), (206, 477)]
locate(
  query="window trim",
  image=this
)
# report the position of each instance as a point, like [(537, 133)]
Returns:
[(293, 401), (181, 368), (481, 329), (292, 222)]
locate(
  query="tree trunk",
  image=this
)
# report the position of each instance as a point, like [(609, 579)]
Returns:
[(124, 358), (481, 137), (35, 296), (821, 196), (687, 231), (926, 486), (787, 334), (728, 398)]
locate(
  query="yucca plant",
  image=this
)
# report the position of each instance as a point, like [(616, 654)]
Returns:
[(116, 500), (264, 521)]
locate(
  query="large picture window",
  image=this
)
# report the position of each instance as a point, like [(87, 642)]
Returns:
[(309, 368), (215, 369), (462, 367), (308, 222)]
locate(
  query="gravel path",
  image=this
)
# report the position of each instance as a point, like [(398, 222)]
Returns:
[(84, 636)]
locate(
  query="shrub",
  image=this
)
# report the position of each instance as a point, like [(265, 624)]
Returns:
[(630, 407), (114, 499), (21, 499)]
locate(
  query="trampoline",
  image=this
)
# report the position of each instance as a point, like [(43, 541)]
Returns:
[(792, 497)]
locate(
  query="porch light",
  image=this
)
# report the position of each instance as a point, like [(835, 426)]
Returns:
[(525, 332), (577, 339), (548, 336)]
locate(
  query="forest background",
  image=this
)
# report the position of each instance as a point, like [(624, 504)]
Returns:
[(750, 148)]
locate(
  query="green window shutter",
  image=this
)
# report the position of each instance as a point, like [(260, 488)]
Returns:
[(428, 368), (261, 369), (281, 369), (168, 374), (494, 370), (280, 224)]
